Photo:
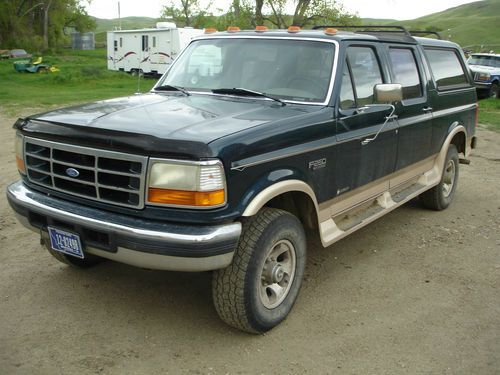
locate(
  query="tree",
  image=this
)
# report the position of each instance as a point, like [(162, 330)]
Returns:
[(40, 24), (187, 13), (306, 13)]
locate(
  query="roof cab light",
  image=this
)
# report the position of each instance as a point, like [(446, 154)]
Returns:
[(19, 146), (293, 29), (331, 31), (210, 30), (187, 184), (233, 29), (261, 29)]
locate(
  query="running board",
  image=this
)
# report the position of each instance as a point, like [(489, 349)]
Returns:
[(343, 224)]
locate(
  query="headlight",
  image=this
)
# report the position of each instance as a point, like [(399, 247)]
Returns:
[(191, 184), (19, 147), (483, 77)]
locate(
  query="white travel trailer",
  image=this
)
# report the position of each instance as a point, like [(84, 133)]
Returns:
[(148, 51)]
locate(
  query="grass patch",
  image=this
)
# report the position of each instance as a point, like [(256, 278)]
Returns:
[(83, 77), (489, 113)]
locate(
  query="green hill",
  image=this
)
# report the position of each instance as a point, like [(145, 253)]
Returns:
[(127, 23), (470, 25)]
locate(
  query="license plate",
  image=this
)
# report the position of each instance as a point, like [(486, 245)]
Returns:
[(65, 242)]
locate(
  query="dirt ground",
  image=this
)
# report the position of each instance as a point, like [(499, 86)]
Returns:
[(417, 292)]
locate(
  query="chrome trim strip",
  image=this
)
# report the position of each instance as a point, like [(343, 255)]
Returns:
[(449, 111), (277, 155), (208, 37), (240, 165)]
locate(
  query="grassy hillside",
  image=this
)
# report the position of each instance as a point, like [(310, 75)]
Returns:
[(470, 25), (128, 23)]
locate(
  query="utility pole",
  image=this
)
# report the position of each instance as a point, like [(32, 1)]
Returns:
[(119, 17)]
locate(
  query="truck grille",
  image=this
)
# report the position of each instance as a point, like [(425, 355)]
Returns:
[(104, 176)]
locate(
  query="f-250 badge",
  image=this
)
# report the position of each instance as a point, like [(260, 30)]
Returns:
[(317, 164)]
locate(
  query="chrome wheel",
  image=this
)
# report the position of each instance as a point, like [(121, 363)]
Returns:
[(449, 178), (277, 274)]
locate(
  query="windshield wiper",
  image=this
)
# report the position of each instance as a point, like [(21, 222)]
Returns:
[(172, 88), (246, 92)]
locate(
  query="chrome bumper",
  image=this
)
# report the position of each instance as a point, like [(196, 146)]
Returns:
[(131, 240), (482, 85)]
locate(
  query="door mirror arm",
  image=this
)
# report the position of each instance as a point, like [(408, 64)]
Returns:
[(391, 116)]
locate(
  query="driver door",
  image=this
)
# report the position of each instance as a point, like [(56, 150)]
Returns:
[(358, 164)]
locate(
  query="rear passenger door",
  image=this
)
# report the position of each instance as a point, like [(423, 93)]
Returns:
[(414, 112), (453, 96), (358, 164)]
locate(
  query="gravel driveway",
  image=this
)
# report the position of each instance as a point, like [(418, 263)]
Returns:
[(417, 292)]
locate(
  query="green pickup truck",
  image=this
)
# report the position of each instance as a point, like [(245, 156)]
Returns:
[(229, 158)]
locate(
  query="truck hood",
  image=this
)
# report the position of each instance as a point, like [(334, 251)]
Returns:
[(159, 123), (484, 69)]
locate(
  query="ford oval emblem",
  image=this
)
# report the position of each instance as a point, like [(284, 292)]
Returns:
[(72, 172)]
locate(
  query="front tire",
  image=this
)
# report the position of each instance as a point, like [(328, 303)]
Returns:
[(494, 91), (258, 290), (440, 196)]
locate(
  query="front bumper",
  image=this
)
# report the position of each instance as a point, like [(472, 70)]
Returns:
[(138, 242), (482, 85)]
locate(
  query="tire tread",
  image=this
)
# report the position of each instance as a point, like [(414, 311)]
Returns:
[(228, 283)]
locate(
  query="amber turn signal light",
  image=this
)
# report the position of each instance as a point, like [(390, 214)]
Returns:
[(20, 164), (186, 198)]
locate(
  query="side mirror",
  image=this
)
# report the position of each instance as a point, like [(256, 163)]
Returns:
[(388, 93)]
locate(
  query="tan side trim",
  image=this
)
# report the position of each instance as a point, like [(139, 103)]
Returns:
[(367, 203), (277, 189), (379, 196)]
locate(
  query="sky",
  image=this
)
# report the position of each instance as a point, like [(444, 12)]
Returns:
[(394, 9)]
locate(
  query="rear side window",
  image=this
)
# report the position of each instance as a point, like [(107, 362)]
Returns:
[(405, 72), (365, 71), (446, 68)]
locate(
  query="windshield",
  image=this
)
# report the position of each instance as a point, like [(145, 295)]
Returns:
[(493, 61), (294, 70)]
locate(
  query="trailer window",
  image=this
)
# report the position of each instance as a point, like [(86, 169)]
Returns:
[(145, 40), (121, 42), (154, 42), (115, 44)]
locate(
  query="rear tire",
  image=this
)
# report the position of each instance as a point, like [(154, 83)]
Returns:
[(440, 196), (494, 91), (259, 288)]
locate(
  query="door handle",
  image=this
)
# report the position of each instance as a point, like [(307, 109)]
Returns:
[(427, 109)]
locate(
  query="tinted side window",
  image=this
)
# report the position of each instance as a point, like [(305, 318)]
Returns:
[(347, 99), (446, 68), (365, 73), (405, 72)]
